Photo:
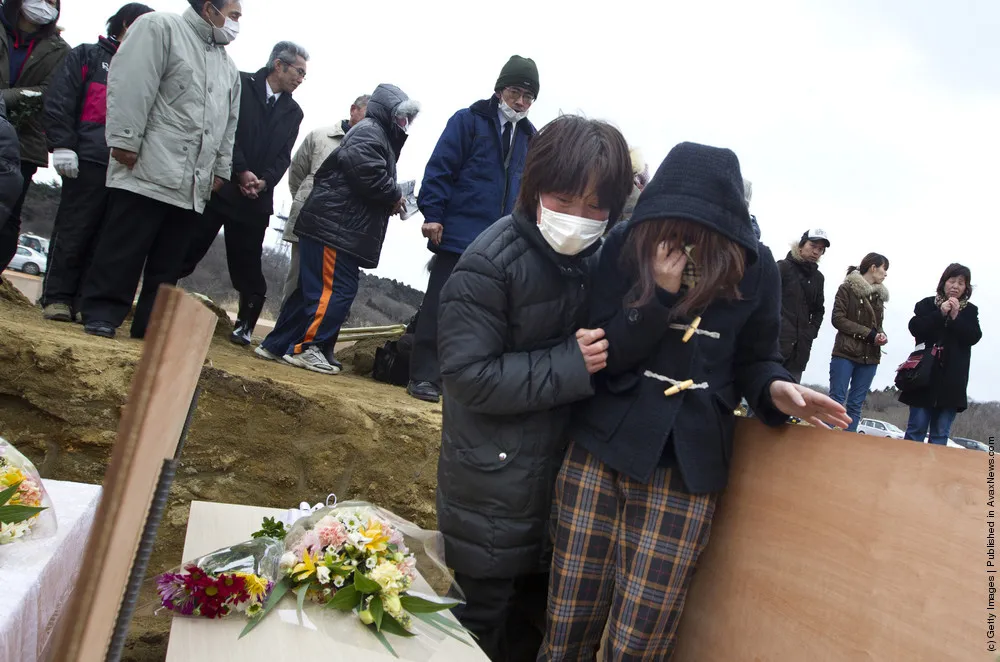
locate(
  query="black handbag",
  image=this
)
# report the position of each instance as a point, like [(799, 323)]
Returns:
[(915, 372)]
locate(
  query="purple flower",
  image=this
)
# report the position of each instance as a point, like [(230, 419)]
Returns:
[(174, 593)]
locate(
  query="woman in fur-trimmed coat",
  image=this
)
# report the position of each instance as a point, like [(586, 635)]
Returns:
[(858, 313)]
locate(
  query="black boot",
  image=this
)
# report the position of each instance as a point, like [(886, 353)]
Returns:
[(246, 319)]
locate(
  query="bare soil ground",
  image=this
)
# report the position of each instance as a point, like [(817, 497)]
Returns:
[(264, 434)]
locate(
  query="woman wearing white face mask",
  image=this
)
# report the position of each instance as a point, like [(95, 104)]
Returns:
[(30, 52), (514, 357)]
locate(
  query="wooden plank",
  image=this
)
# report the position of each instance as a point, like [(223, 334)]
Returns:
[(323, 634), (835, 547), (176, 345)]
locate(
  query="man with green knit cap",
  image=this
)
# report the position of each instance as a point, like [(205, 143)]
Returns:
[(471, 181)]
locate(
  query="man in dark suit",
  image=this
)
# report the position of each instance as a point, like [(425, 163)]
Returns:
[(268, 127)]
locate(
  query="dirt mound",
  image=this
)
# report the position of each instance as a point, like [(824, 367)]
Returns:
[(11, 294), (359, 358), (264, 433), (224, 327)]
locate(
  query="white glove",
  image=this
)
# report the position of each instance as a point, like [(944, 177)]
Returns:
[(66, 163)]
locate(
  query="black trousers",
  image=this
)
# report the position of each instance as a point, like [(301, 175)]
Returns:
[(139, 231), (424, 363), (244, 243), (11, 230), (82, 208), (508, 615)]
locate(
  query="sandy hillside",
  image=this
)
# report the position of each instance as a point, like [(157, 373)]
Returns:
[(264, 434)]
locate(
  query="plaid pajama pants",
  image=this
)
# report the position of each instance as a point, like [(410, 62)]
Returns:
[(625, 553)]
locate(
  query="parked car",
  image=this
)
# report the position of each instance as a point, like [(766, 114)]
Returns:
[(34, 242), (875, 428), (953, 443), (971, 444), (29, 261)]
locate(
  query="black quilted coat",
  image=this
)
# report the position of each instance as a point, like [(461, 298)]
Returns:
[(512, 369), (355, 189)]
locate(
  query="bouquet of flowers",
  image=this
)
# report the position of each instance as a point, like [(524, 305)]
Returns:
[(235, 579), (354, 557), (25, 508), (27, 109)]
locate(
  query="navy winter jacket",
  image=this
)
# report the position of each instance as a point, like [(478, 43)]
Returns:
[(467, 186)]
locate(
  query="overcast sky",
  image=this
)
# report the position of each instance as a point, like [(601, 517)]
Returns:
[(876, 121)]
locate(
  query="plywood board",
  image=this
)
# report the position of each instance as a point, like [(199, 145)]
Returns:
[(176, 345), (835, 547), (320, 634)]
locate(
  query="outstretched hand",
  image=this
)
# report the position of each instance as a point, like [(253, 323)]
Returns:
[(805, 403)]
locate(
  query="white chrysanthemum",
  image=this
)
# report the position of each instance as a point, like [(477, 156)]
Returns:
[(323, 574), (338, 581)]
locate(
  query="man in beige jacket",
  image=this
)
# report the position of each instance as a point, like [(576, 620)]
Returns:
[(173, 106), (318, 145)]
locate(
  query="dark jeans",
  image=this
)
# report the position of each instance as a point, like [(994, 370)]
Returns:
[(938, 421), (244, 243), (11, 230), (508, 615), (139, 231), (424, 363), (82, 209)]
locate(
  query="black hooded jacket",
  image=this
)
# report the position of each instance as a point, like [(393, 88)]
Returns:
[(355, 189), (630, 424)]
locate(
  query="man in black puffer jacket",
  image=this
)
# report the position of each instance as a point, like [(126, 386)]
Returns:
[(514, 358), (341, 229), (11, 179), (74, 115)]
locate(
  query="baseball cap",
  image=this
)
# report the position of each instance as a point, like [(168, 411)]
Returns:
[(816, 235)]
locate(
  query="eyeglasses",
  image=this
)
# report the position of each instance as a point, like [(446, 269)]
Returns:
[(517, 93), (291, 65)]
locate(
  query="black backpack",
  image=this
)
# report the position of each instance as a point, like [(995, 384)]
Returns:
[(392, 360)]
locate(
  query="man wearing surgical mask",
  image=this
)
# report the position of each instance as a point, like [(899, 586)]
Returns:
[(173, 106), (472, 179)]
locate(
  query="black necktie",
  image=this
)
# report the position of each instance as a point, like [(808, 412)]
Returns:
[(271, 101), (507, 128)]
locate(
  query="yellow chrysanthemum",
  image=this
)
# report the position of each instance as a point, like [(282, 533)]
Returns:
[(378, 541), (256, 586)]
